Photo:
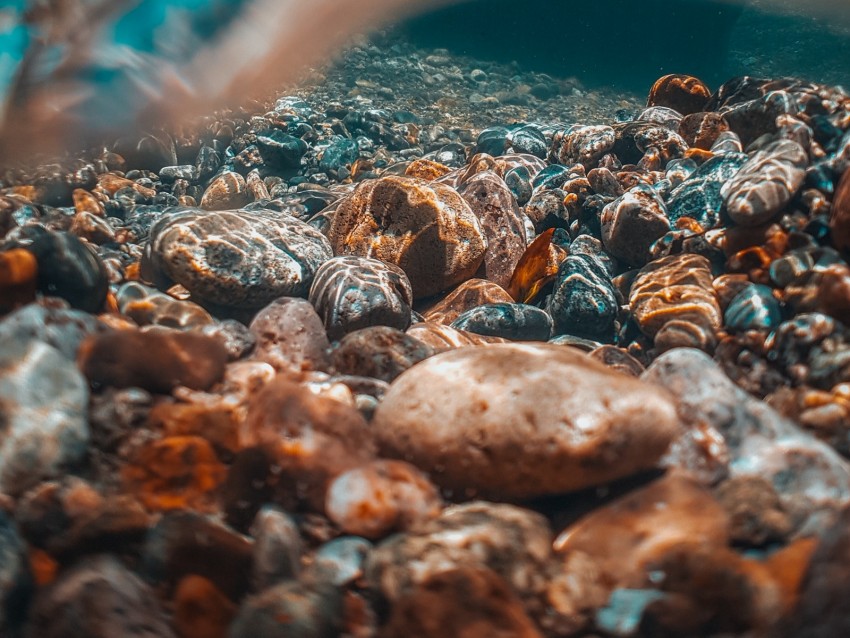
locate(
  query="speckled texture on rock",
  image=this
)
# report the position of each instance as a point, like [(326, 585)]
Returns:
[(43, 414), (237, 258), (425, 228), (531, 420), (290, 336), (632, 223)]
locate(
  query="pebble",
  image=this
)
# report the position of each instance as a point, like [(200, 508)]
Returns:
[(351, 292), (237, 259), (18, 278), (290, 336), (583, 145), (53, 323), (200, 610), (583, 302), (513, 433), (380, 498), (810, 477), (280, 149), (765, 183), (702, 130), (277, 548), (147, 306), (632, 223), (839, 221), (379, 352), (674, 303), (226, 191), (415, 225), (290, 609), (155, 360), (340, 154), (501, 222), (311, 439), (698, 197), (513, 542), (754, 308), (99, 598), (45, 414), (67, 268), (755, 512), (468, 296), (441, 337), (512, 321), (682, 93)]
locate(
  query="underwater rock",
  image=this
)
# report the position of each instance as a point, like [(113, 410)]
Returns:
[(352, 292), (415, 225), (468, 296), (290, 336), (512, 433), (674, 303), (583, 301), (583, 145), (237, 259), (683, 93), (514, 321), (632, 223), (380, 352), (226, 191)]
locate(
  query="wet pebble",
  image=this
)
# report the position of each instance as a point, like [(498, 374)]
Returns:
[(237, 258), (754, 308), (18, 278), (512, 321), (44, 401), (147, 306), (674, 303), (481, 440), (632, 223), (226, 191), (583, 301), (765, 183), (583, 145), (698, 197), (380, 352), (280, 149), (468, 296), (290, 336), (277, 548), (290, 609), (352, 292), (415, 225), (55, 324), (683, 93)]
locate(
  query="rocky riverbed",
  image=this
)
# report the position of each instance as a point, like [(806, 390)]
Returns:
[(429, 346)]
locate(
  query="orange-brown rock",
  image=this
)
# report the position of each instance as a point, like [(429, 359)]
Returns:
[(426, 169), (201, 610), (470, 294), (683, 93), (178, 472), (472, 602), (824, 290), (425, 228), (523, 420), (756, 515), (215, 420), (701, 130), (673, 302), (312, 439), (442, 337), (156, 360), (839, 220), (624, 536), (85, 202), (18, 278)]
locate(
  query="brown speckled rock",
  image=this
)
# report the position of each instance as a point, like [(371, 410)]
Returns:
[(227, 190), (518, 421), (496, 208), (290, 336), (379, 352), (426, 229), (470, 294), (683, 93), (442, 337)]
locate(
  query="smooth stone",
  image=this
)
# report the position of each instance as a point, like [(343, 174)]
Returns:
[(683, 93), (290, 336), (766, 183), (632, 223), (226, 191), (381, 497), (441, 337), (310, 439), (67, 268), (237, 259), (18, 278), (56, 325), (698, 197), (501, 221), (754, 308), (281, 149), (634, 141), (98, 598), (200, 610), (810, 477), (291, 610), (43, 414), (469, 295), (513, 321), (534, 419), (584, 145), (425, 228), (148, 306), (352, 292), (277, 548), (339, 154), (701, 130), (156, 360), (625, 536), (674, 303), (380, 352), (583, 301)]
